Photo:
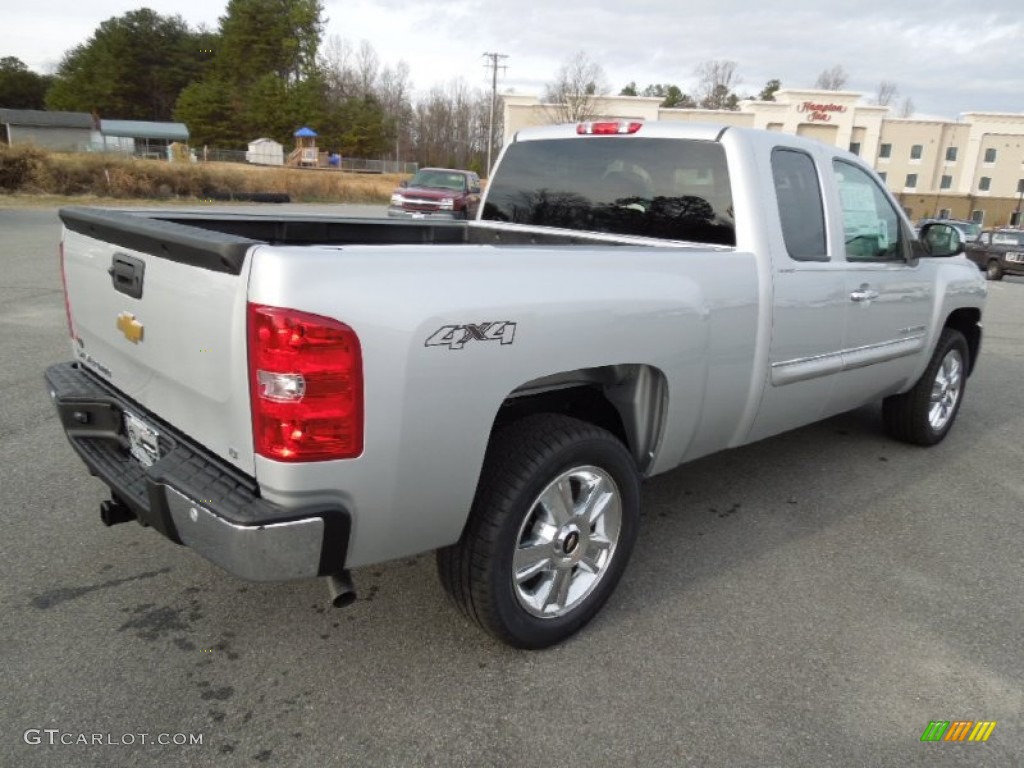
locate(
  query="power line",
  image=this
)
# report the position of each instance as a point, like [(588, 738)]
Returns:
[(494, 58)]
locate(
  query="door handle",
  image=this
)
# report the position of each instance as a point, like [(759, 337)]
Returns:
[(864, 293), (126, 274)]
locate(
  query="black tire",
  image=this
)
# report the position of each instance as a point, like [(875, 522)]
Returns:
[(925, 414), (523, 460), (994, 270)]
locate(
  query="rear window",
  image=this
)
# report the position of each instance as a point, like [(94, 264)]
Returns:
[(971, 229), (665, 188), (1008, 238)]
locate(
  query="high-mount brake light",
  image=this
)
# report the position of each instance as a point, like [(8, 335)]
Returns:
[(306, 386), (608, 128)]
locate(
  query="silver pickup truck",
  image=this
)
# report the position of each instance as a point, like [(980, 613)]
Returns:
[(295, 396)]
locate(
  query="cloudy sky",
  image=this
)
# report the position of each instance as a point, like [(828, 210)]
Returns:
[(949, 57)]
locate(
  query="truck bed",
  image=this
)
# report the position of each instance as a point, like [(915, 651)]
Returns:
[(220, 241)]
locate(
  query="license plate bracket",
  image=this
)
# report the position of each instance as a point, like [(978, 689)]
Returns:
[(143, 440)]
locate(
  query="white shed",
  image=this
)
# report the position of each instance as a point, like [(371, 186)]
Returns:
[(265, 152)]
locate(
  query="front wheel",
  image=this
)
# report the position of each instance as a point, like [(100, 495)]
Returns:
[(552, 526), (925, 414)]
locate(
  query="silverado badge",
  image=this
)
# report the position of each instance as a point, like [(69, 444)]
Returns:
[(130, 327)]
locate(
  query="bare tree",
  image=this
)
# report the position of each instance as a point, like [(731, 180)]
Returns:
[(574, 93), (715, 83), (367, 68), (350, 72), (886, 92), (833, 79), (450, 126), (393, 89), (907, 107)]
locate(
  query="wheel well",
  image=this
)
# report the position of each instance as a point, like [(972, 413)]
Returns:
[(630, 401), (585, 402), (968, 322)]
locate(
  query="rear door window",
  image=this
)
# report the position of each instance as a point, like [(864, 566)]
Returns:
[(801, 212), (671, 189)]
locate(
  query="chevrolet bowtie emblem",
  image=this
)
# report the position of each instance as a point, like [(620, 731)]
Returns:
[(130, 327)]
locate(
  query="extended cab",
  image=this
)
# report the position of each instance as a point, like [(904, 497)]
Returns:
[(437, 193), (295, 396)]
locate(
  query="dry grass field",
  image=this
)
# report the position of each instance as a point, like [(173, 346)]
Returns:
[(27, 172)]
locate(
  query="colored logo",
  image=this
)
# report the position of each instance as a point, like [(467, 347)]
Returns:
[(958, 730), (130, 327)]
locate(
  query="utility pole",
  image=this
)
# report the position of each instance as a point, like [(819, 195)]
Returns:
[(493, 64)]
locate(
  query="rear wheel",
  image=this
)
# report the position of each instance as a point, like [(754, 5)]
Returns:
[(993, 270), (925, 414), (552, 526)]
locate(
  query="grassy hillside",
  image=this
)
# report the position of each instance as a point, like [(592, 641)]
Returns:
[(30, 171)]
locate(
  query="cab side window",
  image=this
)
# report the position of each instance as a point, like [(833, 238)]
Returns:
[(871, 225), (798, 193)]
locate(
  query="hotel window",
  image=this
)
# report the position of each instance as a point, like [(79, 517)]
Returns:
[(885, 150), (990, 155), (916, 151), (978, 217), (855, 147), (911, 181), (950, 154), (984, 184), (881, 175), (946, 183)]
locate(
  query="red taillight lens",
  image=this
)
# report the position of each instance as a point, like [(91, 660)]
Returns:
[(64, 284), (306, 386), (608, 128)]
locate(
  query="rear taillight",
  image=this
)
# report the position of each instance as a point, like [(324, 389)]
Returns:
[(608, 128), (64, 284), (306, 386)]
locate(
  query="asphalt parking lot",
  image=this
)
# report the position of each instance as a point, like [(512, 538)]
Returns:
[(815, 599)]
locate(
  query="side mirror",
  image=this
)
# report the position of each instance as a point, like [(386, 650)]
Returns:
[(941, 239), (403, 184)]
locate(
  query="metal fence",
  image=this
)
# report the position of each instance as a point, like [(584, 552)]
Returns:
[(221, 155), (210, 155), (359, 165), (350, 164)]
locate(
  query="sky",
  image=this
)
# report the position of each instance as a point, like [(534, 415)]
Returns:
[(947, 57)]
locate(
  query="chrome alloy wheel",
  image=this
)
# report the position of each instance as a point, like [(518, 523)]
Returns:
[(567, 541), (946, 390)]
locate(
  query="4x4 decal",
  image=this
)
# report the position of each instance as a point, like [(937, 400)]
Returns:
[(456, 336)]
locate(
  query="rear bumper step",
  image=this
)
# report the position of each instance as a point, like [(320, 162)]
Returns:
[(190, 495)]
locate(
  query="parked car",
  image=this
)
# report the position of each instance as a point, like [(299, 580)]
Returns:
[(998, 252), (442, 193), (342, 392)]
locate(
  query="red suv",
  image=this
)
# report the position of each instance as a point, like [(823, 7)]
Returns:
[(437, 193)]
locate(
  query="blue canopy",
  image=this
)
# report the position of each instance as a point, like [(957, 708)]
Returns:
[(305, 132)]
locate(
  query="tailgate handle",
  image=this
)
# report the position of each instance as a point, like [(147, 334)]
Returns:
[(126, 273)]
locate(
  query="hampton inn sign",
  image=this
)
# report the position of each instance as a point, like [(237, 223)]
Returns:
[(820, 113)]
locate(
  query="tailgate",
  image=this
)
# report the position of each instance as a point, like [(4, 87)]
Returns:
[(159, 311)]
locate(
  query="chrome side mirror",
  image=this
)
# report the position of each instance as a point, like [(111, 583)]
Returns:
[(941, 239)]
